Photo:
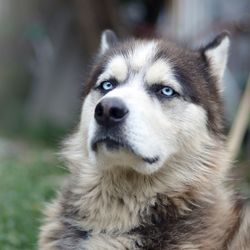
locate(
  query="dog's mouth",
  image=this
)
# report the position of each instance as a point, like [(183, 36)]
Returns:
[(116, 143), (110, 143)]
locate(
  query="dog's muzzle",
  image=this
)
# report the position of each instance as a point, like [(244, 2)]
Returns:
[(110, 115)]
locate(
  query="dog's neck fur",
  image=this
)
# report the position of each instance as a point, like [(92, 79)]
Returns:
[(115, 200)]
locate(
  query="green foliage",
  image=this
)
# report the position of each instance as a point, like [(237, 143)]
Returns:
[(24, 187)]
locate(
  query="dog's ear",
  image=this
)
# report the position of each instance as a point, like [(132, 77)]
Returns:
[(216, 53), (108, 40)]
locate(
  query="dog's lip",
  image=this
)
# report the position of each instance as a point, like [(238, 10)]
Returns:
[(107, 139), (119, 143)]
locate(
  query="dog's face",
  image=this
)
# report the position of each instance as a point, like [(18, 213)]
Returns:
[(148, 102)]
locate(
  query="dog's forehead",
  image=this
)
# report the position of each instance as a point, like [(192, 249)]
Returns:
[(140, 58), (141, 55)]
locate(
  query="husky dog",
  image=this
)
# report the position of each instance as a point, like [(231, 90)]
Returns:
[(148, 161)]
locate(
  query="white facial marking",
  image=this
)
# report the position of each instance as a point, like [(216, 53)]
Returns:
[(158, 72), (161, 72), (119, 68), (142, 55), (116, 68)]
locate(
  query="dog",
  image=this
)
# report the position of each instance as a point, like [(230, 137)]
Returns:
[(148, 160)]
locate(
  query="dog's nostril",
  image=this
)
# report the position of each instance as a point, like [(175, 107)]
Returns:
[(99, 110), (110, 111), (118, 112)]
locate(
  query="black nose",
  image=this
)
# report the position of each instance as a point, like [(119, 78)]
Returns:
[(110, 111)]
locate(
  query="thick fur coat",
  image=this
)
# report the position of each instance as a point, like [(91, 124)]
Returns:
[(148, 160)]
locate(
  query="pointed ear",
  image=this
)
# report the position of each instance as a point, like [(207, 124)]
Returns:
[(216, 54), (108, 40)]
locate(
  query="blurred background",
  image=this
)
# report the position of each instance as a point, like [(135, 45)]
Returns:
[(45, 50)]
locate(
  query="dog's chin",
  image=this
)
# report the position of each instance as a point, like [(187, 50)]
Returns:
[(108, 153)]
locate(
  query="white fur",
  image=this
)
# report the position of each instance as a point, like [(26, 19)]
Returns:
[(158, 72), (161, 72), (119, 68), (116, 68), (142, 55)]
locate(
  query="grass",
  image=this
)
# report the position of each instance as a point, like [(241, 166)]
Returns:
[(26, 182)]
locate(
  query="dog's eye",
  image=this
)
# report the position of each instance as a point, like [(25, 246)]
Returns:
[(167, 91), (107, 86), (163, 91)]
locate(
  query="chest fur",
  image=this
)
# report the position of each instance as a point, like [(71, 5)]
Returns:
[(157, 223)]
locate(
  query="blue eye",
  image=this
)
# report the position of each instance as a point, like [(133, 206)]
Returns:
[(167, 91), (107, 86)]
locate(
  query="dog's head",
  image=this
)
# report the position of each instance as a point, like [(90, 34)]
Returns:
[(147, 102)]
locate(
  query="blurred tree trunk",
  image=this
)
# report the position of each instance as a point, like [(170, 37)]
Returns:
[(93, 16)]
